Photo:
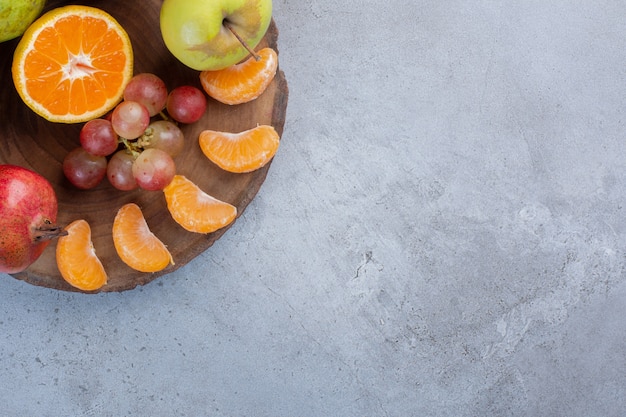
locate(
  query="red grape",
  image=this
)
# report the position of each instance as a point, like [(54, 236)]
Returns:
[(154, 169), (130, 119), (120, 171), (83, 169), (164, 135), (186, 104), (98, 137), (147, 89)]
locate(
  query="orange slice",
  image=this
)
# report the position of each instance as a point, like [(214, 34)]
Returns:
[(135, 244), (72, 64), (195, 210), (241, 83), (240, 152), (77, 260)]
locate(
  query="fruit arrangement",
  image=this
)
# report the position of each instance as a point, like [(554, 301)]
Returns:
[(150, 181)]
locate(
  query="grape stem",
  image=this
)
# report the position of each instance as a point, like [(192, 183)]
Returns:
[(145, 139), (133, 148), (164, 116), (240, 39)]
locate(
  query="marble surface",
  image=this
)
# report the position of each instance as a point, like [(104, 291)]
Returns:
[(441, 234)]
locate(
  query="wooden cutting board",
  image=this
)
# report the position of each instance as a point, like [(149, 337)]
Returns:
[(30, 141)]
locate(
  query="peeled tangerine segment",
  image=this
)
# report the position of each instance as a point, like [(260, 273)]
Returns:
[(243, 82), (135, 244), (195, 210), (77, 260), (240, 152)]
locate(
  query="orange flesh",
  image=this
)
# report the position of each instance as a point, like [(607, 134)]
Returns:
[(75, 67), (77, 260), (240, 152), (195, 210), (242, 82), (135, 244)]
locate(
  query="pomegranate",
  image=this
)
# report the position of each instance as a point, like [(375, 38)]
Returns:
[(28, 211)]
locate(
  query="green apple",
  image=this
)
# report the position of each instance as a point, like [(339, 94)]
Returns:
[(17, 15), (212, 34)]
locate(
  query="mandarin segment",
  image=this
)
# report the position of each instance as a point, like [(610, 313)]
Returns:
[(241, 83), (195, 210), (77, 260), (72, 64), (135, 244), (240, 152)]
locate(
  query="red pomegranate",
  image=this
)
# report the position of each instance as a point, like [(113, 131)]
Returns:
[(28, 211)]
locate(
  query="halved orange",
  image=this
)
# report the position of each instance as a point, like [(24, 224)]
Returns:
[(72, 64), (135, 244), (241, 83), (240, 152), (77, 260), (195, 210)]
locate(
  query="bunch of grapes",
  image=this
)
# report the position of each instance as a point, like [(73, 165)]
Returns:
[(133, 147)]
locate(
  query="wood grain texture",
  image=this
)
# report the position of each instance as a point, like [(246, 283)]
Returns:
[(30, 141)]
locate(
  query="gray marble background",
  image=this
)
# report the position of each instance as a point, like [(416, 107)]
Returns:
[(441, 234)]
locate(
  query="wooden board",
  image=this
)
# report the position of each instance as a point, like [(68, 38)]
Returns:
[(30, 141)]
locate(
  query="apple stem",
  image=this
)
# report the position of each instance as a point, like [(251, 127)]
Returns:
[(240, 39), (48, 232)]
